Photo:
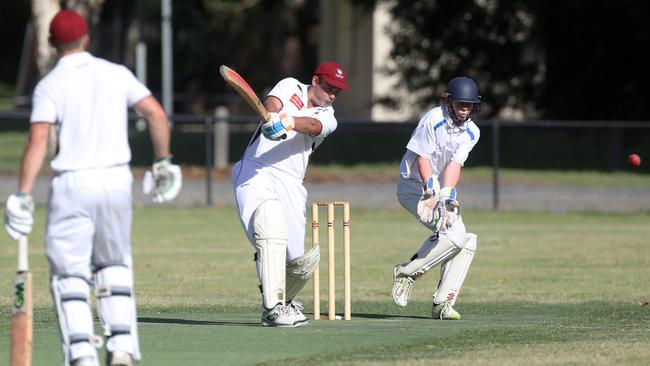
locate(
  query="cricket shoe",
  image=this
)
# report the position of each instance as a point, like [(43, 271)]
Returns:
[(281, 316), (297, 309), (402, 287), (444, 311), (85, 361), (119, 358)]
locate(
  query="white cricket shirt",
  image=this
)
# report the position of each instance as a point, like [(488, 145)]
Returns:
[(291, 155), (87, 98), (438, 139)]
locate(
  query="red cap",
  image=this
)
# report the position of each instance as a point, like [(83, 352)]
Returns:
[(67, 26), (333, 74)]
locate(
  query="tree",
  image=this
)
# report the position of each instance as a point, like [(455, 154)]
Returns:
[(493, 42)]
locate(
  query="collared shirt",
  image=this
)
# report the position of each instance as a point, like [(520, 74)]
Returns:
[(87, 98), (291, 155), (438, 139)]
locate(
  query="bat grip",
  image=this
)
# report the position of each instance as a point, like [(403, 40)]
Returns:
[(23, 264)]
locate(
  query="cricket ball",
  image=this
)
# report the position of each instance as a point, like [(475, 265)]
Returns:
[(634, 160)]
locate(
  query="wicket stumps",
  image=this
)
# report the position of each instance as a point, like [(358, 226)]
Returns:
[(331, 298)]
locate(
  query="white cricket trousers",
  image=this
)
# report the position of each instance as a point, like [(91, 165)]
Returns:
[(89, 220), (255, 185)]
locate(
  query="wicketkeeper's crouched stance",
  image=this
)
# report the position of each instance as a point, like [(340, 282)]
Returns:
[(270, 195), (435, 155)]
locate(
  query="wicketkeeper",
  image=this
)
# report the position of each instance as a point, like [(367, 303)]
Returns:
[(434, 157)]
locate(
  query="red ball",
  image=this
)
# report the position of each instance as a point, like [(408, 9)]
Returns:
[(634, 160)]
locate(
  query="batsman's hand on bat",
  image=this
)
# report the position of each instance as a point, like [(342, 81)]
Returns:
[(277, 126), (450, 208), (163, 181), (19, 215), (428, 204)]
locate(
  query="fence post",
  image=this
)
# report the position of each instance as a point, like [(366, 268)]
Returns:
[(221, 137), (209, 140), (495, 164)]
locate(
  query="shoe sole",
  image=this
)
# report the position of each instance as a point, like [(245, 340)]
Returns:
[(274, 325)]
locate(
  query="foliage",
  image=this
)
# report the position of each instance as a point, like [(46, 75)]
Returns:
[(493, 42), (538, 59)]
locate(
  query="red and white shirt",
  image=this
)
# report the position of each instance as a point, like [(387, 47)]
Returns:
[(291, 155)]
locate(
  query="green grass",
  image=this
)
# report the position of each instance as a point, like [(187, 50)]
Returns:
[(543, 289), (13, 143), (6, 96)]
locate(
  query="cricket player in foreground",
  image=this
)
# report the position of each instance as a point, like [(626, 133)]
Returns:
[(87, 239), (434, 157), (269, 191)]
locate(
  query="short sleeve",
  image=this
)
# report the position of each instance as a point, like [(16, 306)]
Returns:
[(326, 117), (43, 105), (284, 89), (470, 140), (423, 140), (135, 90)]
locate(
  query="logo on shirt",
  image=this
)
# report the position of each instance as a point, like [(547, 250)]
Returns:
[(295, 99)]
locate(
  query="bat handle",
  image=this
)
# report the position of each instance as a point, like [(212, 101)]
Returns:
[(23, 264)]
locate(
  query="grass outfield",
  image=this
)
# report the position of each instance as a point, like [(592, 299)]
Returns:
[(543, 289)]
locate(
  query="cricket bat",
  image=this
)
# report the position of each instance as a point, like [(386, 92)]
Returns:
[(21, 310), (247, 93)]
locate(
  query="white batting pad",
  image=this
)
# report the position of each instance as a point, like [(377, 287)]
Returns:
[(70, 296), (300, 270), (116, 308), (433, 251), (454, 271), (271, 236)]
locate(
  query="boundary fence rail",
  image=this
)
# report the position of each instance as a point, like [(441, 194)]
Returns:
[(218, 128)]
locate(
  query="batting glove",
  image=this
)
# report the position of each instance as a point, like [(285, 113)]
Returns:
[(19, 217), (450, 209), (428, 205), (277, 126), (163, 181)]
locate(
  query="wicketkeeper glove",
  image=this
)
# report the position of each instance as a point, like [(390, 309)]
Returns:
[(428, 205), (163, 181), (277, 126), (450, 208), (19, 217)]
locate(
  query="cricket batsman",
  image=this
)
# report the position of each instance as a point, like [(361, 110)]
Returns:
[(434, 157), (269, 191)]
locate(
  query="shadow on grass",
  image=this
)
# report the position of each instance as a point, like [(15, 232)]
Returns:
[(384, 316), (238, 323), (196, 322)]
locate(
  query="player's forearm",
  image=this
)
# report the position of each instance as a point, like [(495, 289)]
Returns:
[(33, 156), (160, 135), (452, 174), (158, 124), (424, 168), (307, 125)]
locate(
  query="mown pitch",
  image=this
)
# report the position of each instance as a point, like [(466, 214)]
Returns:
[(543, 289)]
